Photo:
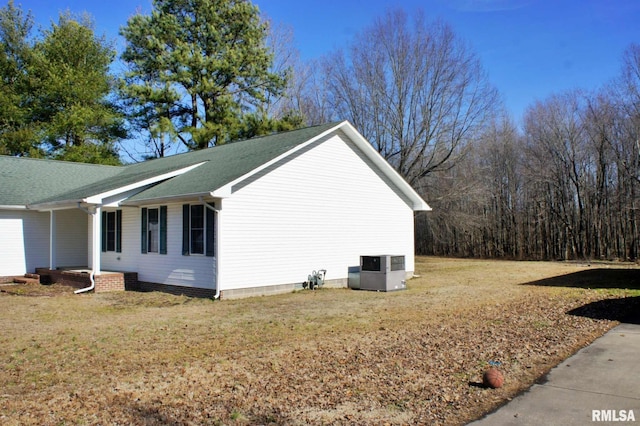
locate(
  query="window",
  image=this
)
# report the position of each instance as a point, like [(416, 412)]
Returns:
[(154, 230), (198, 230), (112, 231)]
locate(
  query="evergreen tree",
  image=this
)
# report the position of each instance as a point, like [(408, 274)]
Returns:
[(17, 134), (54, 90), (197, 70), (78, 121)]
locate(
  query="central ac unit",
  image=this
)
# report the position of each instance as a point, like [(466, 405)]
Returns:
[(382, 273)]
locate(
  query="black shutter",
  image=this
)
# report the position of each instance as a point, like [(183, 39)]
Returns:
[(103, 226), (119, 231), (163, 229), (210, 232), (185, 229), (143, 245)]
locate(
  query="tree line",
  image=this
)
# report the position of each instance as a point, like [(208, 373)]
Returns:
[(195, 74), (566, 186)]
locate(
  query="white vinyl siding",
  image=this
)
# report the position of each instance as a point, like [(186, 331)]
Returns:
[(321, 210), (25, 241), (172, 268), (71, 238)]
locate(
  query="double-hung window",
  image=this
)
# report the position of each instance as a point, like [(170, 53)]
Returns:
[(154, 230), (112, 231), (198, 230)]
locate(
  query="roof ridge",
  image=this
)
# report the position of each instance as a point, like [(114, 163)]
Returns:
[(284, 132), (50, 160)]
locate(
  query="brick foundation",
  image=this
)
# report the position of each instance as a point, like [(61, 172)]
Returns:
[(105, 282)]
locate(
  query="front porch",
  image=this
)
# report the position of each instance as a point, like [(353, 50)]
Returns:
[(80, 278)]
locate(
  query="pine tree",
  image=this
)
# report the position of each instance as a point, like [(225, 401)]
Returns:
[(198, 69), (55, 90)]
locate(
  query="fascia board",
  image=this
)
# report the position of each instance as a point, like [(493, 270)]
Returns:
[(162, 200), (13, 207), (55, 205), (98, 198)]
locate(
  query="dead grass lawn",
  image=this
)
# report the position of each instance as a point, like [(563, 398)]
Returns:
[(332, 356)]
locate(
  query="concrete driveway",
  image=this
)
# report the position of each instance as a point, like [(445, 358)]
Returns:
[(600, 384)]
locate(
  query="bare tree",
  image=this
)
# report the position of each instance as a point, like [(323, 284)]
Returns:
[(303, 95), (627, 91), (414, 89), (567, 188), (477, 203), (626, 147), (559, 158), (500, 171), (280, 39)]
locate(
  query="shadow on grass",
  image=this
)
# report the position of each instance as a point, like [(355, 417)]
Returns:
[(625, 309), (595, 278)]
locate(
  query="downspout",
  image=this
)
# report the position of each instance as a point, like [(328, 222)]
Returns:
[(95, 215), (91, 287), (217, 249)]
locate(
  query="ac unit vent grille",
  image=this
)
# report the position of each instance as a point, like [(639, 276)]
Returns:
[(397, 263), (371, 263)]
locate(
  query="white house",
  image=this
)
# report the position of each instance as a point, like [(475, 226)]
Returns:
[(250, 217)]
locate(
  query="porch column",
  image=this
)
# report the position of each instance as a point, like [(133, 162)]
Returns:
[(52, 240), (96, 235)]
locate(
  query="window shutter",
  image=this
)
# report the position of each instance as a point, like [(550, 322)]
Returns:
[(144, 231), (163, 229), (210, 232), (119, 231), (185, 229), (103, 225)]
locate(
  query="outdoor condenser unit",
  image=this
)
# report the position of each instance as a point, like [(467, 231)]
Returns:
[(382, 273)]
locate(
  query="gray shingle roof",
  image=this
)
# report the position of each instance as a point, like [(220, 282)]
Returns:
[(26, 181), (226, 163)]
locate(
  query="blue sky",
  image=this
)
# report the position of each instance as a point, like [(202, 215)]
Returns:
[(530, 48)]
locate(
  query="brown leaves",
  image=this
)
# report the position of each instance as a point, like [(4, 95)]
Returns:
[(331, 357)]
